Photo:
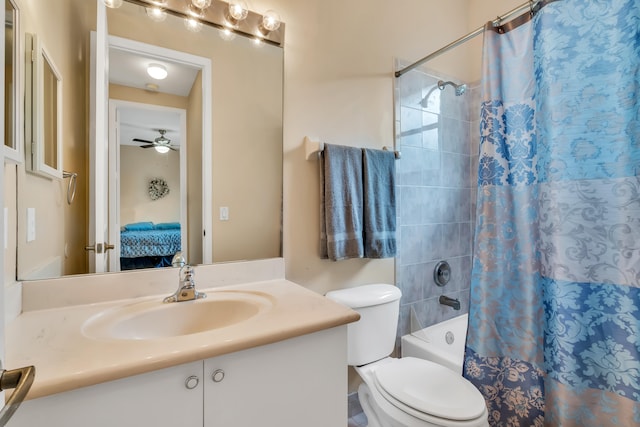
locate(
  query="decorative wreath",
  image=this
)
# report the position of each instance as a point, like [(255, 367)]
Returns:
[(158, 188)]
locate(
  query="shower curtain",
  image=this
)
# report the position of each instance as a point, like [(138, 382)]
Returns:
[(554, 319)]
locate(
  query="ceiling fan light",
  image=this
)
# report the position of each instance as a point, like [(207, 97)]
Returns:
[(157, 71), (162, 149)]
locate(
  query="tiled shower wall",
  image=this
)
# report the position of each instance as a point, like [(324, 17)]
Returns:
[(437, 133)]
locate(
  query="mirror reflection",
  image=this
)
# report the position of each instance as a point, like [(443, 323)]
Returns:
[(225, 184)]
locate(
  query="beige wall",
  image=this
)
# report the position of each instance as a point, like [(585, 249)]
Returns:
[(124, 93), (137, 168)]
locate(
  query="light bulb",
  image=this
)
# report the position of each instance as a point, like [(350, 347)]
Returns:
[(114, 4), (156, 14), (161, 149), (157, 71), (238, 10), (192, 24), (201, 4), (270, 20)]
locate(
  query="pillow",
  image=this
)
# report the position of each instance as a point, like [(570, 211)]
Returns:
[(168, 226), (139, 226)]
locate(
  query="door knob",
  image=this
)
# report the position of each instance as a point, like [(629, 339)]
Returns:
[(97, 247), (217, 376), (192, 382)]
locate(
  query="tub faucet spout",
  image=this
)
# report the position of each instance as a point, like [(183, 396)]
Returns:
[(451, 302)]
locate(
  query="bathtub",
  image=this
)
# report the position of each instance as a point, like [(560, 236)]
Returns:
[(442, 343)]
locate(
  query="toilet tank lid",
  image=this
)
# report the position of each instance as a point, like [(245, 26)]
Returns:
[(365, 295)]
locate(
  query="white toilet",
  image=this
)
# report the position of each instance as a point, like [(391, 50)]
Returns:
[(406, 392)]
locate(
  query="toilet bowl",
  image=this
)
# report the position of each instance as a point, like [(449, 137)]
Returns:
[(412, 392), (406, 392)]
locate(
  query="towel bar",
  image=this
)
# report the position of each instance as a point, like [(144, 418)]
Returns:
[(312, 148)]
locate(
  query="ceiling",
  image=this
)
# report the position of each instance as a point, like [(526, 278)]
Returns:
[(130, 69)]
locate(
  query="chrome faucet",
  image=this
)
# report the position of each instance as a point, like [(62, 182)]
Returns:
[(451, 302), (186, 288)]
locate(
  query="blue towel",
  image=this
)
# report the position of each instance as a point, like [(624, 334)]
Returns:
[(341, 213), (379, 203)]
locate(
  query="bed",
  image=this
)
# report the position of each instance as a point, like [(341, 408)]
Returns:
[(148, 245)]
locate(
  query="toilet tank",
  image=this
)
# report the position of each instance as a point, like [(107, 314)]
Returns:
[(373, 336)]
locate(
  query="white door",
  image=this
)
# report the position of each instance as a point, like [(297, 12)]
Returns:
[(98, 146)]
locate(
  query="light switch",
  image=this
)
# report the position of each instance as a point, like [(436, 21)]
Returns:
[(224, 213), (31, 224)]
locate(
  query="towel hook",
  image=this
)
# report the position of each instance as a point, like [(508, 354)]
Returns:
[(71, 187)]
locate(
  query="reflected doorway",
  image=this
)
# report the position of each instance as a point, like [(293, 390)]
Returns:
[(147, 184)]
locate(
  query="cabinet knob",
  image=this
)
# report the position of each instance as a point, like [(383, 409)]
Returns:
[(217, 376), (192, 382)]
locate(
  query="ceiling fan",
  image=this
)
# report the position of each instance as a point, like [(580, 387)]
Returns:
[(161, 144)]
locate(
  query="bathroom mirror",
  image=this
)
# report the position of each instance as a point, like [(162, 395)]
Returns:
[(243, 172)]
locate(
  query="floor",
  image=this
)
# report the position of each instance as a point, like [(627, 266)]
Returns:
[(359, 420)]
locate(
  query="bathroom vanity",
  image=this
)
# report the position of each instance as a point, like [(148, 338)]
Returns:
[(282, 364)]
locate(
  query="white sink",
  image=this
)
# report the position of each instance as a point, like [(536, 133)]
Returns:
[(153, 319)]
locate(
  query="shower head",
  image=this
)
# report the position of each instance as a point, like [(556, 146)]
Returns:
[(460, 89)]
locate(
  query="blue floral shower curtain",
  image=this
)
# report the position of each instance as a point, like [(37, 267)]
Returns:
[(554, 320)]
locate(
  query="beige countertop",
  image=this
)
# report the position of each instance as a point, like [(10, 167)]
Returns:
[(66, 357)]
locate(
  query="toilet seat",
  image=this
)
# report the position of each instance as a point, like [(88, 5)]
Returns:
[(426, 390)]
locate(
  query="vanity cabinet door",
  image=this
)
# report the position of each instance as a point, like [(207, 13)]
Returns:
[(159, 399), (297, 382)]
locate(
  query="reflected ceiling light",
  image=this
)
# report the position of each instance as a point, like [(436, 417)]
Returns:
[(270, 22), (161, 149), (152, 87), (114, 4), (157, 71), (156, 14), (227, 35), (192, 24), (236, 12), (201, 4)]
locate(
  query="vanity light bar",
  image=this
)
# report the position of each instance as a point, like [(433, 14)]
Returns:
[(215, 16)]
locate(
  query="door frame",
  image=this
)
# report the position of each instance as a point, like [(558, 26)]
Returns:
[(114, 174)]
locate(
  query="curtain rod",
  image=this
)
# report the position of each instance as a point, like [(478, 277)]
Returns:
[(496, 22)]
